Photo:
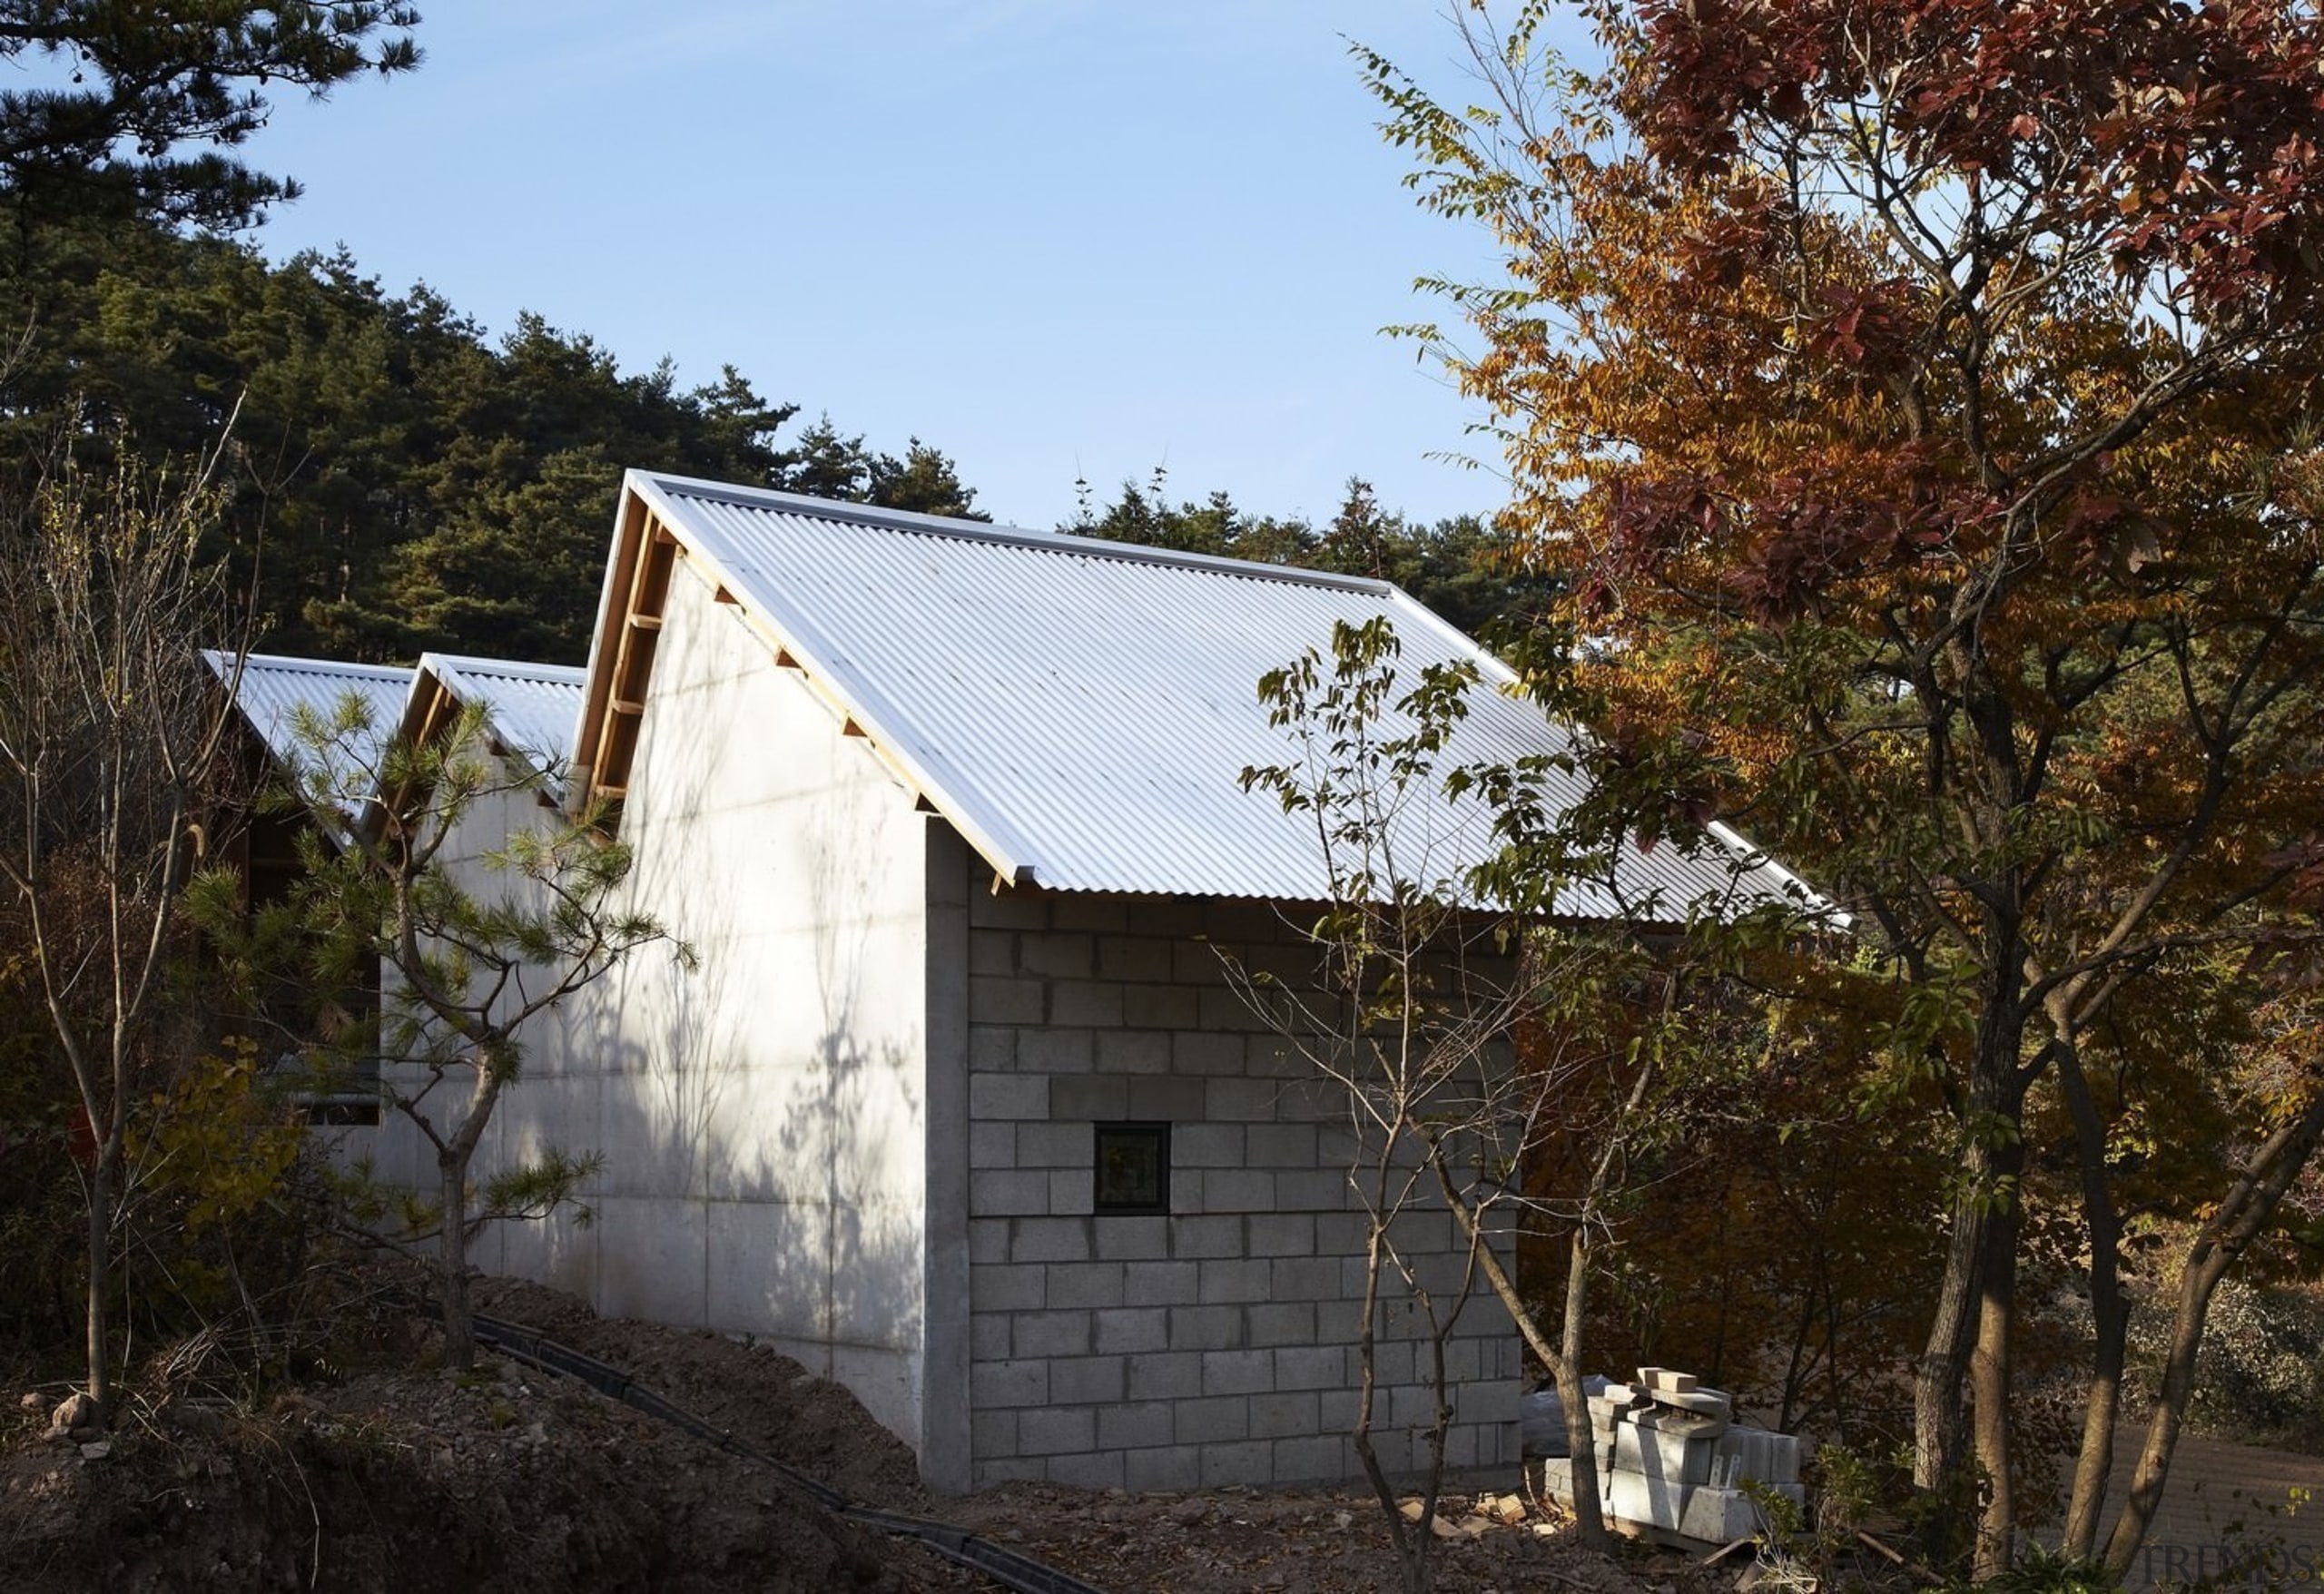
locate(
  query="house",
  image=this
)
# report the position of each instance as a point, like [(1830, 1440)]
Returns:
[(296, 712), (949, 816)]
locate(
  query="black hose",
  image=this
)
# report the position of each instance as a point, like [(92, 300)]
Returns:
[(1004, 1565)]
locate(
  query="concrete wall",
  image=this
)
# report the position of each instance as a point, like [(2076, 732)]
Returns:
[(1214, 1344), (763, 1116)]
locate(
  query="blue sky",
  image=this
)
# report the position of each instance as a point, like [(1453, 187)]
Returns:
[(1052, 237)]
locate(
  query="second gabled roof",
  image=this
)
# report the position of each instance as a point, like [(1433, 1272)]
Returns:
[(532, 708), (1081, 711)]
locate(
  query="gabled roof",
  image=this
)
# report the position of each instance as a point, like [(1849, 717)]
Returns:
[(532, 708), (275, 687), (1080, 710)]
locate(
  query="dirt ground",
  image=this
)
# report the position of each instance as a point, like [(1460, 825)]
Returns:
[(399, 1478)]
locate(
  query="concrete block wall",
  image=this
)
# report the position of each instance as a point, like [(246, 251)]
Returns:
[(1216, 1343)]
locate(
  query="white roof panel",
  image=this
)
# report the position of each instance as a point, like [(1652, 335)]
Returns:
[(275, 688), (533, 707), (1082, 710)]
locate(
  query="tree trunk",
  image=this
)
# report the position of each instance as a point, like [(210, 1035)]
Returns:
[(459, 1319), (2093, 1464), (1990, 1121), (1581, 1433), (99, 1333), (1989, 1369)]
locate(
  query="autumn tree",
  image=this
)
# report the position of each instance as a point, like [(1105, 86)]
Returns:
[(1914, 403)]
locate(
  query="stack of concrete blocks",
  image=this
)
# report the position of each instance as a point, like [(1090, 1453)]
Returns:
[(1670, 1460)]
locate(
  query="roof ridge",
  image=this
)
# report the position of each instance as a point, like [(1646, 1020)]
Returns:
[(1060, 542), (221, 658)]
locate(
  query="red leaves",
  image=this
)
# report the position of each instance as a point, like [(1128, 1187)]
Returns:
[(1790, 543), (2182, 138)]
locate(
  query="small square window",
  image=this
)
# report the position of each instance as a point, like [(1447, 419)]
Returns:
[(1133, 1168)]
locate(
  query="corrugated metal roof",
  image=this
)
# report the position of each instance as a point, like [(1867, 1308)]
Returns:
[(1081, 710), (533, 707), (276, 687)]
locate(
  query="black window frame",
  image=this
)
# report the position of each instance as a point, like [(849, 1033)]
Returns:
[(1154, 1135)]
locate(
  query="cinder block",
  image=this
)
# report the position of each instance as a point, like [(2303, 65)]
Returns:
[(1050, 1239), (1052, 1144), (1755, 1455), (1721, 1516), (1237, 1372), (1678, 1458), (1324, 1192), (1205, 1051), (993, 1145), (1225, 1011), (1132, 1239), (1206, 1328), (1226, 1281), (988, 1240), (992, 1435), (1700, 1402), (992, 951), (1306, 1278), (1282, 1323), (1058, 956), (1095, 1003), (1237, 1190), (1134, 956), (992, 1047), (1204, 1238), (1085, 1284), (1008, 1288), (1286, 1416), (1165, 1375), (989, 1336), (1130, 1330), (1048, 1049), (1070, 1192), (1135, 1427), (1311, 1367), (1309, 1460), (1160, 1007), (1663, 1380), (1239, 1101), (1161, 1284), (1277, 1233), (1004, 999), (1213, 1421), (1009, 1095), (1086, 1381), (1162, 1469), (1008, 1384), (1055, 1429), (1206, 1146), (1225, 1464), (1167, 1097), (1008, 1193), (1283, 1145), (1132, 1051), (1657, 1502), (1006, 909), (1049, 1333), (1088, 1096)]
